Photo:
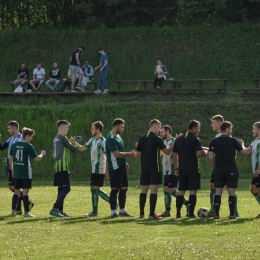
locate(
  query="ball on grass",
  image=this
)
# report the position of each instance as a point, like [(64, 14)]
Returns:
[(203, 213)]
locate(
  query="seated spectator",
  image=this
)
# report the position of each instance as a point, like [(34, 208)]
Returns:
[(160, 74), (54, 77), (86, 76), (22, 78), (68, 81), (38, 77)]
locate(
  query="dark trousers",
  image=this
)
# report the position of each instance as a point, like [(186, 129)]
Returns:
[(158, 82)]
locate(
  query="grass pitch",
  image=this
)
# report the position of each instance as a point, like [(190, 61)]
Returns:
[(47, 237)]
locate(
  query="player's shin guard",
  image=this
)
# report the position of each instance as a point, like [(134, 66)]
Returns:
[(94, 193), (122, 198), (142, 201), (14, 201), (153, 201), (231, 203), (192, 203), (235, 209), (175, 194), (257, 197), (167, 201), (113, 198), (217, 203), (212, 196), (103, 195), (26, 203), (179, 203)]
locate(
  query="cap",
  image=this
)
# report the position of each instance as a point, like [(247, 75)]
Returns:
[(82, 47)]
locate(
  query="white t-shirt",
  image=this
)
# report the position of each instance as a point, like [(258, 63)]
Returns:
[(39, 73)]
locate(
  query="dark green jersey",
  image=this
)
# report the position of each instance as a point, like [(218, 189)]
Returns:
[(114, 143), (61, 152), (21, 152)]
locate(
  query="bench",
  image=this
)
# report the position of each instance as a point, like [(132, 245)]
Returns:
[(249, 89), (77, 93), (175, 81)]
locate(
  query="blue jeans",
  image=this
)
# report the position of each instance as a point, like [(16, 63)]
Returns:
[(103, 79), (48, 84)]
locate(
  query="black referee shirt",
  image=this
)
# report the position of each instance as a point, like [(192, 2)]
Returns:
[(224, 148), (150, 145), (186, 146)]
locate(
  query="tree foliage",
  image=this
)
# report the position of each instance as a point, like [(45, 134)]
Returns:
[(89, 14)]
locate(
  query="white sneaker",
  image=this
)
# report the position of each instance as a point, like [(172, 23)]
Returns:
[(28, 214), (72, 90), (13, 213), (105, 91), (79, 87), (29, 90), (97, 91)]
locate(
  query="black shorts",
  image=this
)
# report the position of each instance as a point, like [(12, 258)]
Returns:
[(256, 181), (171, 181), (22, 183), (10, 179), (151, 179), (226, 176), (189, 182), (97, 179), (61, 179), (212, 176), (118, 178)]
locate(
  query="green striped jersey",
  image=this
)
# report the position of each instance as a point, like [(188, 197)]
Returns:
[(61, 152), (255, 145), (97, 151), (217, 135), (167, 160)]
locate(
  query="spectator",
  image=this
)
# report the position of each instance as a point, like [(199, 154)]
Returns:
[(22, 78), (160, 74), (86, 76), (104, 67), (38, 78), (74, 66), (54, 77)]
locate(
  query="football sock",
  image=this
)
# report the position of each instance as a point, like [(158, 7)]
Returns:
[(14, 201), (142, 201), (175, 194), (122, 198), (231, 203), (94, 193), (26, 203), (192, 202), (235, 208), (257, 197), (113, 211), (62, 193), (113, 199), (103, 196), (179, 203), (153, 200), (167, 201), (19, 202), (212, 195), (122, 210), (217, 202), (60, 206)]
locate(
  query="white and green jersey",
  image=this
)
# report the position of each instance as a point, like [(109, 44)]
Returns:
[(167, 160), (255, 145), (218, 135), (98, 157)]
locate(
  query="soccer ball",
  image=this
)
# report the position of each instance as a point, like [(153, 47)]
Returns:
[(79, 139), (203, 213)]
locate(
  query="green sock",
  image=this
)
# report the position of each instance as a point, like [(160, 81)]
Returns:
[(212, 196), (257, 197), (175, 194), (104, 196), (235, 209), (95, 200), (167, 201)]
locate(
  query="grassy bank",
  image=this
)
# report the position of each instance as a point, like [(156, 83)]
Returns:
[(137, 110)]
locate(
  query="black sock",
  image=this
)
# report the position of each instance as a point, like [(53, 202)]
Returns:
[(192, 203), (122, 198), (231, 203), (142, 201), (217, 203), (61, 203), (179, 203), (14, 201), (113, 198), (153, 200), (62, 193), (26, 202), (19, 202)]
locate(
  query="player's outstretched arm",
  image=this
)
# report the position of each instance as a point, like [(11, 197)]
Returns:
[(3, 146), (124, 154), (202, 153), (10, 159), (39, 157)]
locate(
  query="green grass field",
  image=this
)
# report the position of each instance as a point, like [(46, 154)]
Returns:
[(47, 237)]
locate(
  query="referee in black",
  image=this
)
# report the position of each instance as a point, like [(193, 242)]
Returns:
[(222, 155), (186, 153), (149, 148)]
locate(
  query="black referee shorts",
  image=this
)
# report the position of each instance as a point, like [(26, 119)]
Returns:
[(61, 179), (256, 181), (151, 179), (226, 176), (118, 178), (189, 181), (171, 181)]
